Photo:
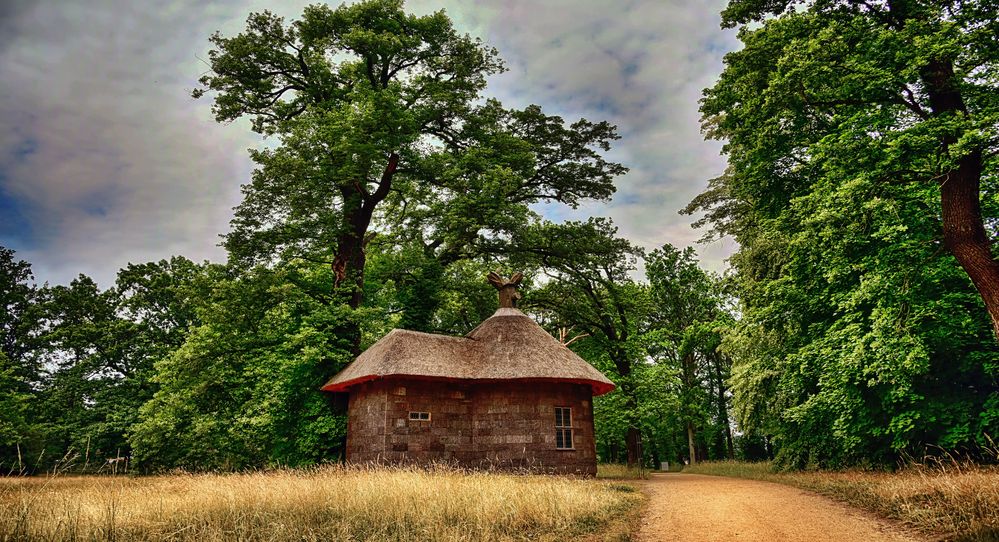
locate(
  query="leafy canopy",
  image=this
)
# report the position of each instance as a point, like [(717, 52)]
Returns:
[(861, 337)]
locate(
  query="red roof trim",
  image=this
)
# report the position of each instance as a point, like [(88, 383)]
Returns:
[(599, 388)]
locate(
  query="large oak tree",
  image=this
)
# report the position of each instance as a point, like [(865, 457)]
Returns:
[(861, 139), (590, 289), (908, 87), (382, 127)]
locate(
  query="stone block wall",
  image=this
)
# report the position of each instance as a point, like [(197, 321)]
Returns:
[(505, 425), (515, 426), (366, 421)]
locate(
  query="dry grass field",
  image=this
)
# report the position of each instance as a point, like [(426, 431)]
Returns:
[(948, 501), (328, 503)]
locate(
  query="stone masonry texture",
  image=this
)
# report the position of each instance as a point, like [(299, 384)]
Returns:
[(487, 425)]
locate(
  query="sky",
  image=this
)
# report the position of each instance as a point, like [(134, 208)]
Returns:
[(105, 159)]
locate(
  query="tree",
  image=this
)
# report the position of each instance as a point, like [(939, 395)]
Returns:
[(19, 368), (684, 333), (860, 138), (376, 107), (908, 85), (351, 92), (95, 351), (18, 323), (85, 348), (14, 404), (420, 294), (243, 389), (590, 290)]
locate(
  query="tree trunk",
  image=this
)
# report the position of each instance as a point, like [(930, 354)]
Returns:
[(729, 444), (654, 454), (961, 213), (723, 405), (633, 437), (687, 378), (358, 208), (964, 232), (348, 266), (348, 282), (633, 441), (692, 442), (350, 257)]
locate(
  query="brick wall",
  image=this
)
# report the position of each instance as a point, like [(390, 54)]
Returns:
[(515, 426), (366, 421), (487, 425)]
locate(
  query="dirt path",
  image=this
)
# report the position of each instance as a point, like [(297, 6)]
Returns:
[(703, 508)]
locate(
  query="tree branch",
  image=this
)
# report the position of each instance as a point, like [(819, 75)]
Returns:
[(385, 184)]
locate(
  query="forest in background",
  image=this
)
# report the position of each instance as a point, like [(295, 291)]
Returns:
[(847, 331)]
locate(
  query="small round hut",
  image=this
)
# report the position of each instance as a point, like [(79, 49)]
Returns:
[(507, 395)]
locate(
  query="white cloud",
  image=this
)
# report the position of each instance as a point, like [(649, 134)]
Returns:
[(110, 161), (639, 64), (116, 163)]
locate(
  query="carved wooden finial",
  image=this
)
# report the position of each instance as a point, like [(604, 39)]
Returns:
[(508, 294)]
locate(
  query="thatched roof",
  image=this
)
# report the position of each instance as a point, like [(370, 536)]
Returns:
[(507, 346)]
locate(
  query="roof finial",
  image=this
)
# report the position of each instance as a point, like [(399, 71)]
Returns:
[(508, 294)]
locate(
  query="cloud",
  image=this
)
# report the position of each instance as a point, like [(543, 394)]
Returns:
[(639, 64), (105, 159)]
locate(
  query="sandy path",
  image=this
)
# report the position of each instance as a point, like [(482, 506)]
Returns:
[(703, 508)]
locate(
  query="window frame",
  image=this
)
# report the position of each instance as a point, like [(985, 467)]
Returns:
[(564, 428), (420, 416)]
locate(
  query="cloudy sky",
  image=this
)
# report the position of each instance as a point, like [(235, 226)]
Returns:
[(105, 159)]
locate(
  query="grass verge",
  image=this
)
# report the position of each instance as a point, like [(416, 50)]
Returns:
[(946, 502), (327, 503), (615, 471)]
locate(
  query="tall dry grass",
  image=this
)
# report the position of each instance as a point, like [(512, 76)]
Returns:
[(328, 503), (948, 501)]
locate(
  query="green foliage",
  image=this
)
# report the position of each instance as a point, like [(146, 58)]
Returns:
[(385, 137), (394, 184), (860, 337), (419, 294), (590, 290), (19, 366), (13, 403), (243, 389), (380, 117), (85, 360), (590, 287), (658, 341), (684, 334), (18, 322), (381, 127)]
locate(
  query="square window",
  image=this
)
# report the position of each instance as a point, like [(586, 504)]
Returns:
[(419, 416)]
